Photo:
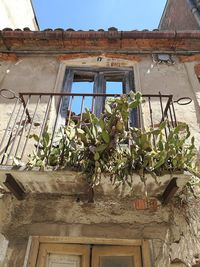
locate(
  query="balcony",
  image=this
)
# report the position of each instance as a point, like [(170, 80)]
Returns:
[(32, 113)]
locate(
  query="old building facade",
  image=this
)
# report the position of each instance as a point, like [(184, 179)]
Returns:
[(46, 219)]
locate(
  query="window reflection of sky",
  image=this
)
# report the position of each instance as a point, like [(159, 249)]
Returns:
[(84, 88), (87, 87)]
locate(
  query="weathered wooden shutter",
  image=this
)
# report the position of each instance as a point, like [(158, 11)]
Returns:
[(129, 86), (99, 87), (64, 100)]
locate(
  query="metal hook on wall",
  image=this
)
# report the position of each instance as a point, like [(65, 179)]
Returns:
[(183, 101), (8, 94)]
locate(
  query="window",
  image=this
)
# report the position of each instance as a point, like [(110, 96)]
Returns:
[(93, 86)]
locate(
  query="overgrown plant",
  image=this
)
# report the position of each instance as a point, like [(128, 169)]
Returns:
[(109, 145)]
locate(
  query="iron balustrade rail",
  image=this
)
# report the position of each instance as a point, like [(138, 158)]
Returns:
[(33, 112)]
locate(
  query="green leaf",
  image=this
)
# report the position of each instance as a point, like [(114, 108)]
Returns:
[(161, 161), (138, 96), (108, 108), (35, 137), (132, 94), (101, 148), (72, 133), (160, 145), (87, 129), (96, 156), (162, 125), (143, 139), (94, 131), (46, 138), (156, 132), (80, 131), (105, 136), (102, 123), (133, 104)]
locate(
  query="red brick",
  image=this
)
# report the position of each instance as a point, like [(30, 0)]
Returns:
[(145, 204)]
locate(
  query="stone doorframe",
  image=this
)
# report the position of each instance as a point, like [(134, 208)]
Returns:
[(35, 242)]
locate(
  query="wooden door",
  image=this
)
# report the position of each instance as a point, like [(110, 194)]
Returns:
[(71, 255)]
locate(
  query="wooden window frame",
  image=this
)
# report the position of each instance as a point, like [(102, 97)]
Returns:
[(99, 251), (100, 76), (40, 246)]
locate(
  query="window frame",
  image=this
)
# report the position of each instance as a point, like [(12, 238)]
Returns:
[(36, 242), (100, 76)]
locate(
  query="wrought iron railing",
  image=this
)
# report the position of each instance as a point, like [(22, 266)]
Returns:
[(32, 112)]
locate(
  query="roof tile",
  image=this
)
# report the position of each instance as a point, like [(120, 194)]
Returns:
[(112, 29), (7, 29), (70, 30), (27, 29)]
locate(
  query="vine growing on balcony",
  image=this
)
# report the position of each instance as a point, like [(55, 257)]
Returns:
[(109, 145)]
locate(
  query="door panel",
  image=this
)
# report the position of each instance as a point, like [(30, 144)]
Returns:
[(116, 256), (63, 255), (56, 260), (116, 261)]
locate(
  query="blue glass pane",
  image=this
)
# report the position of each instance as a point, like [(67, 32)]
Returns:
[(114, 88), (82, 88)]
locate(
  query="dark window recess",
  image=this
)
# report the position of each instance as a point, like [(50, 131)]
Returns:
[(90, 81)]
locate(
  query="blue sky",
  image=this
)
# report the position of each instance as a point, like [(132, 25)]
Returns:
[(99, 14)]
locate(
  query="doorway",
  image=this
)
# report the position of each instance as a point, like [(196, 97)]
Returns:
[(74, 255), (65, 251)]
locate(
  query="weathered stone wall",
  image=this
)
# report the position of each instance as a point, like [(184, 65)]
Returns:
[(174, 229)]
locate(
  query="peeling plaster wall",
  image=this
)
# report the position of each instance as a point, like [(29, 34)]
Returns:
[(32, 74), (174, 229), (27, 74), (179, 80)]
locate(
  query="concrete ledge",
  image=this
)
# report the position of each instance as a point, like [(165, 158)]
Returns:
[(67, 182)]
